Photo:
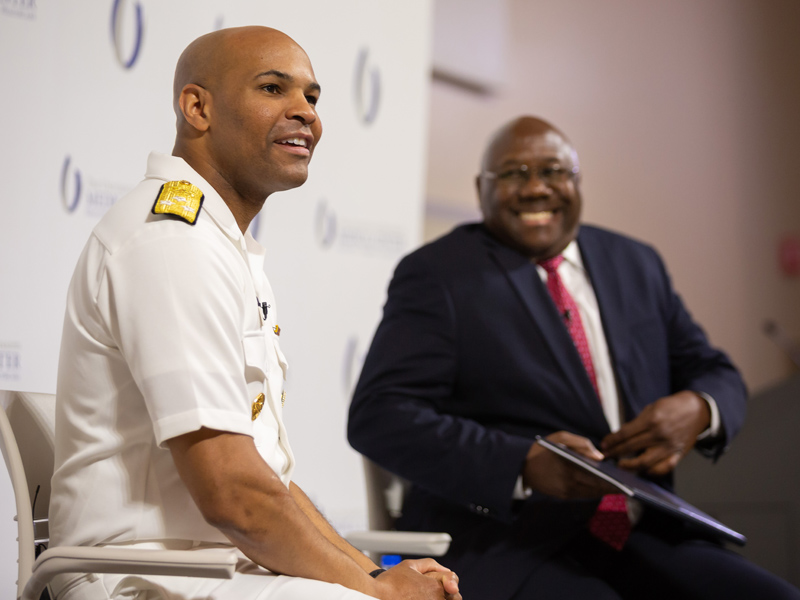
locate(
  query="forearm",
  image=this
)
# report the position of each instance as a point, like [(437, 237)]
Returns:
[(237, 492), (299, 545), (698, 366), (730, 397), (327, 530), (405, 411), (293, 545)]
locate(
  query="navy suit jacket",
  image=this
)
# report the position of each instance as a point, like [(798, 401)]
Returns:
[(472, 361)]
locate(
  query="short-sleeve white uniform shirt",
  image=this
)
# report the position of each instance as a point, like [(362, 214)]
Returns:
[(164, 333)]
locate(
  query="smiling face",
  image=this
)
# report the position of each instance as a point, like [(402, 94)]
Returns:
[(538, 216), (246, 105), (264, 125)]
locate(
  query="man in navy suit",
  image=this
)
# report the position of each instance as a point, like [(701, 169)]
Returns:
[(528, 324)]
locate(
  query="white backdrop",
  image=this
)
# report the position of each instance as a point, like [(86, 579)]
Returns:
[(86, 94)]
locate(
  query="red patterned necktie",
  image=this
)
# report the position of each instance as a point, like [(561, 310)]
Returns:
[(569, 312), (610, 522)]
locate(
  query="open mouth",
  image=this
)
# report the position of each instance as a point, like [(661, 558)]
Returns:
[(542, 217), (301, 146), (297, 142)]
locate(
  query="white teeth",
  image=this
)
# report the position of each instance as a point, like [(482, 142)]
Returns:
[(537, 217), (296, 142)]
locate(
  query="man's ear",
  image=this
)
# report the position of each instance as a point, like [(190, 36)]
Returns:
[(195, 103), (478, 189)]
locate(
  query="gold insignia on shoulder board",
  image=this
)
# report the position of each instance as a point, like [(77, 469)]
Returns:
[(277, 330), (258, 404), (283, 398), (179, 198)]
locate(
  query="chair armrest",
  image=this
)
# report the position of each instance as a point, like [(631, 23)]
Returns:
[(218, 564), (400, 542)]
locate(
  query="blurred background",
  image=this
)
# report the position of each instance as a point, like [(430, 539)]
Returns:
[(685, 116)]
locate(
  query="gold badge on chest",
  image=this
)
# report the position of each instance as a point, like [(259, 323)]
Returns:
[(258, 404), (181, 199)]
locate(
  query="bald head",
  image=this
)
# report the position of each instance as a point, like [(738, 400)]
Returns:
[(207, 60), (525, 129), (246, 106)]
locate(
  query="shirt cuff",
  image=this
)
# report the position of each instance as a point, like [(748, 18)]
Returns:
[(714, 427), (520, 491)]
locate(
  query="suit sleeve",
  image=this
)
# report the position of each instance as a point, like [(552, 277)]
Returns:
[(409, 373), (696, 365)]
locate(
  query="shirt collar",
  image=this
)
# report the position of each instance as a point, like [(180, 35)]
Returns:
[(572, 255)]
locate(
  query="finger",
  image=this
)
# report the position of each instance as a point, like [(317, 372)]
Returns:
[(449, 580), (633, 445), (666, 466), (628, 430), (657, 464), (425, 565), (577, 443), (644, 461), (647, 459), (553, 475), (450, 583)]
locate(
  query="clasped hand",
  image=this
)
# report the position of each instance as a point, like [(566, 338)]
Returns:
[(418, 579)]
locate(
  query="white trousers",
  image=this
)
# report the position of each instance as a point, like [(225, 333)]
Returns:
[(250, 582)]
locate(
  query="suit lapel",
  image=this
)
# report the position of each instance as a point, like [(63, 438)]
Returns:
[(608, 288), (532, 293)]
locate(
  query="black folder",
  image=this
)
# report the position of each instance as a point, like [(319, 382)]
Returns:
[(647, 493)]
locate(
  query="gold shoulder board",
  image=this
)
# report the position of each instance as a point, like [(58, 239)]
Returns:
[(179, 198)]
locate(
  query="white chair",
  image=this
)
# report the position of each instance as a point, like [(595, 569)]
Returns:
[(385, 495), (27, 428), (29, 459)]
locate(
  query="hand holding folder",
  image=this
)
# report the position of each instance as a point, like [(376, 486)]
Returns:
[(650, 494)]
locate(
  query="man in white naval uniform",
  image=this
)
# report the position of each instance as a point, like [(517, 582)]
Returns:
[(168, 428)]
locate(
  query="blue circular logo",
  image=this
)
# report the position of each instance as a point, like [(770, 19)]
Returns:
[(70, 200), (367, 89), (325, 224), (125, 55)]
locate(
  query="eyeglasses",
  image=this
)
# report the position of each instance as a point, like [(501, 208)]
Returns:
[(515, 177)]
